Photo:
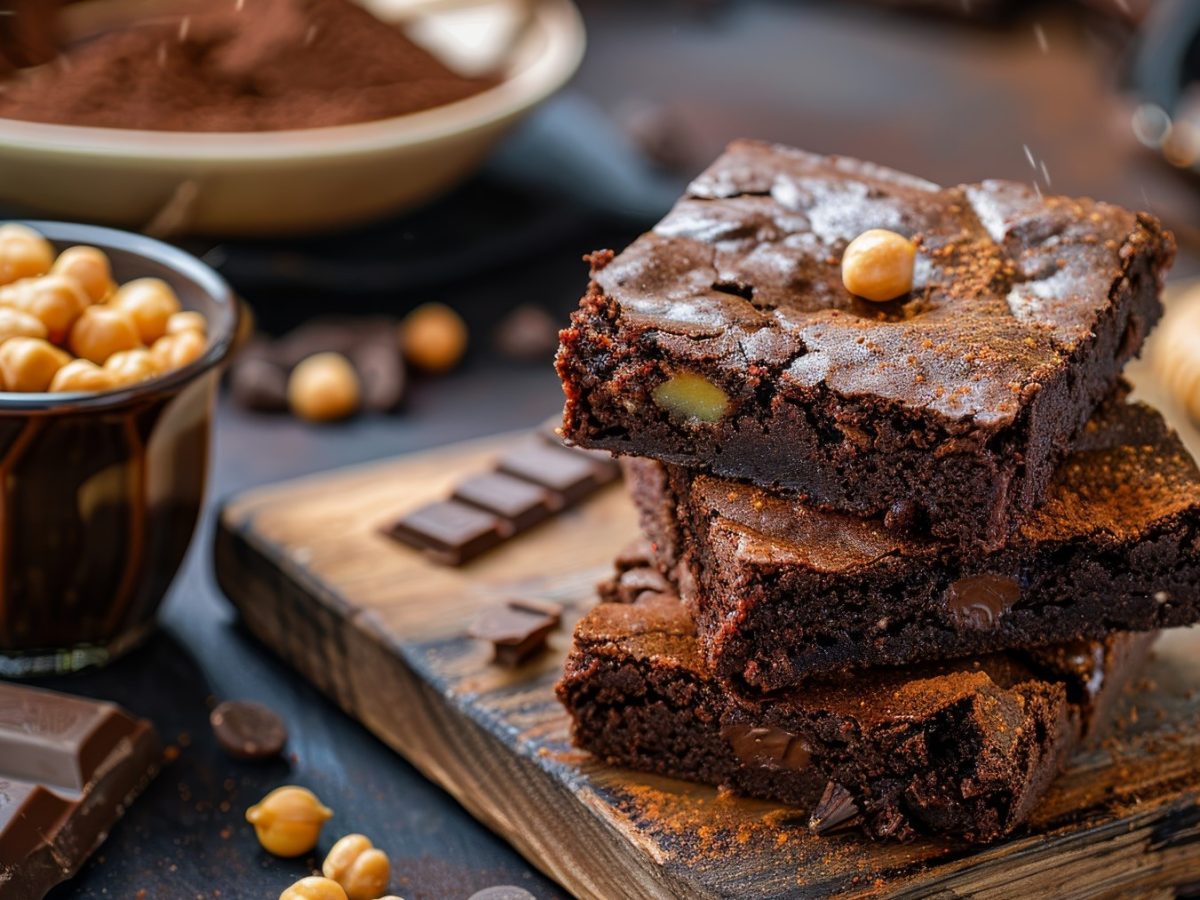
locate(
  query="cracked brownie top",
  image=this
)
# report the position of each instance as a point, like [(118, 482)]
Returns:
[(745, 272)]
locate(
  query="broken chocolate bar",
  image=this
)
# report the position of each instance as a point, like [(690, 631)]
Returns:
[(69, 767)]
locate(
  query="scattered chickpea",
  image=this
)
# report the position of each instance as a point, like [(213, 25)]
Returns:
[(878, 265), (29, 364), (324, 387), (102, 331), (23, 253), (188, 320), (82, 375), (56, 300), (174, 351), (14, 323), (88, 267), (288, 822), (131, 366), (433, 337), (359, 867), (314, 888), (150, 302)]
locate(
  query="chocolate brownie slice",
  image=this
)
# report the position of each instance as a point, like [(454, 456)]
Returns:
[(783, 593), (962, 749), (724, 339)]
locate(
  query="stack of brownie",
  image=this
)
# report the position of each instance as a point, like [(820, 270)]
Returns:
[(902, 554)]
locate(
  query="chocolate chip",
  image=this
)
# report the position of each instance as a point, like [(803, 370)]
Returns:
[(835, 810), (502, 892), (516, 631), (448, 531), (527, 334), (248, 730), (767, 747), (976, 603)]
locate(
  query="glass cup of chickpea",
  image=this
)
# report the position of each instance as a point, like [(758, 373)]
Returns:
[(110, 351)]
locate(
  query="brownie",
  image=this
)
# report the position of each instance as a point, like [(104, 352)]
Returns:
[(962, 749), (724, 339), (783, 593)]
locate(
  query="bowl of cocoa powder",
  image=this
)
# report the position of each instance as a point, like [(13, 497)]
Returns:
[(254, 117)]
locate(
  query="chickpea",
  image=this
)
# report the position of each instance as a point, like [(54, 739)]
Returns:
[(187, 320), (433, 337), (288, 821), (82, 375), (14, 323), (29, 364), (878, 265), (131, 366), (359, 867), (56, 300), (89, 268), (174, 351), (314, 888), (324, 387), (151, 303), (23, 253), (102, 331)]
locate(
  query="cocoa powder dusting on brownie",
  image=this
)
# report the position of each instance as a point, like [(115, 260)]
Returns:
[(258, 66)]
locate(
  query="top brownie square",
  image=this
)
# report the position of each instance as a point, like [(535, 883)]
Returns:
[(725, 340)]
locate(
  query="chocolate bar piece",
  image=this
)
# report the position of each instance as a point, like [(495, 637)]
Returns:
[(783, 592), (539, 477), (963, 749), (450, 532), (520, 502), (517, 630), (69, 767), (571, 474)]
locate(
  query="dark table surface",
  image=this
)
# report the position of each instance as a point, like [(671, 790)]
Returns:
[(949, 100)]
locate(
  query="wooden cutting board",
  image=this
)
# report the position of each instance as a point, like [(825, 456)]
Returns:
[(381, 631)]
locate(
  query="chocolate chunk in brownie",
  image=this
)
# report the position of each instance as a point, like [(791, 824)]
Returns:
[(725, 340), (783, 592), (963, 749)]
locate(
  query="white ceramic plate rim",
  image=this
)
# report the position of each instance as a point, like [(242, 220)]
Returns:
[(561, 30)]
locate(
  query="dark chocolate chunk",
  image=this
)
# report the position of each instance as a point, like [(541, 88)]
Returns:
[(835, 810), (258, 384), (326, 335), (979, 601), (380, 367), (69, 767), (520, 503), (515, 631), (528, 334), (449, 531), (767, 747), (248, 730), (567, 472)]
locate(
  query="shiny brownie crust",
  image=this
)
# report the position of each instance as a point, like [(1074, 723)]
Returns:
[(783, 593), (944, 412)]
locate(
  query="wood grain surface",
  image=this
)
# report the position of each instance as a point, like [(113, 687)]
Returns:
[(381, 631)]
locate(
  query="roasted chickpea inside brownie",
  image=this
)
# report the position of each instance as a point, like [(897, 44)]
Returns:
[(67, 326)]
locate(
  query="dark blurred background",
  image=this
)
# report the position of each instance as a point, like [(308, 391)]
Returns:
[(1071, 96)]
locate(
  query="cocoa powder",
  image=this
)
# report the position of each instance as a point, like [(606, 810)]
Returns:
[(254, 65)]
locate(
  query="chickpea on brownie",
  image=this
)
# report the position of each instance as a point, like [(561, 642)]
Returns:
[(67, 326)]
